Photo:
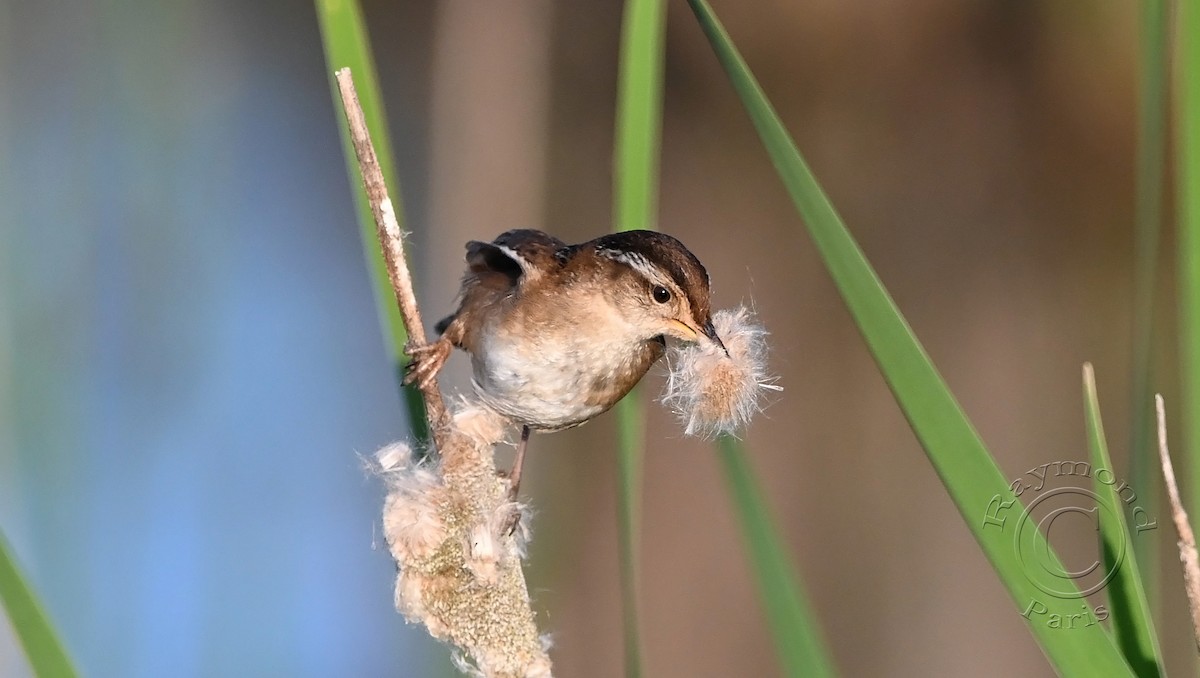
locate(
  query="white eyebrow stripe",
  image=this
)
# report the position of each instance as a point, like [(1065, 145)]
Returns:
[(633, 260), (643, 266), (512, 254)]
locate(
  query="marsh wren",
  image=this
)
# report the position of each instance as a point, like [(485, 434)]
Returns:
[(559, 333)]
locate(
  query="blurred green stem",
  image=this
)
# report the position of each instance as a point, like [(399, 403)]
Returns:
[(635, 193), (798, 642), (631, 436), (347, 46), (1188, 119), (1151, 151), (639, 115)]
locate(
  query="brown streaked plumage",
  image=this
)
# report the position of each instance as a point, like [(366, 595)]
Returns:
[(559, 333)]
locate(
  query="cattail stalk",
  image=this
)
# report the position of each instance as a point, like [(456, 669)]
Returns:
[(445, 519), (1187, 539)]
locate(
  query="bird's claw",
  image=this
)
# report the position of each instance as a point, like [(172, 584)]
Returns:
[(425, 361), (514, 519)]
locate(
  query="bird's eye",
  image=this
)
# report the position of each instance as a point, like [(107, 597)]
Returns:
[(661, 294)]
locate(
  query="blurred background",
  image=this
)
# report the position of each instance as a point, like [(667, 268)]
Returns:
[(191, 367)]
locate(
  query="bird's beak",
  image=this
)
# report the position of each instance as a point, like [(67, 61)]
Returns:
[(689, 333), (711, 332), (685, 331)]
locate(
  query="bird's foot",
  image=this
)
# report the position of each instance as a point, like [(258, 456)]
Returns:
[(426, 361), (514, 517), (514, 482), (513, 521)]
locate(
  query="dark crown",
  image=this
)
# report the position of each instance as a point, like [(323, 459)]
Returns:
[(668, 255)]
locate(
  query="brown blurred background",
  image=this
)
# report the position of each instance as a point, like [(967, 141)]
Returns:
[(203, 287), (982, 155)]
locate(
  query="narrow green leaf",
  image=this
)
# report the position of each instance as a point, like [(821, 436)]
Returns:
[(45, 651), (798, 641), (964, 465), (1131, 617), (1188, 120), (635, 196), (1151, 151), (344, 37)]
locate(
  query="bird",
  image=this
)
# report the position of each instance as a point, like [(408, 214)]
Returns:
[(558, 333)]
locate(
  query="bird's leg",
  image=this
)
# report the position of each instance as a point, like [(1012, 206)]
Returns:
[(426, 361), (514, 480), (514, 476)]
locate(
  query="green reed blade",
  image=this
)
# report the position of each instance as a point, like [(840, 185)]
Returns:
[(1132, 621), (36, 633), (967, 470)]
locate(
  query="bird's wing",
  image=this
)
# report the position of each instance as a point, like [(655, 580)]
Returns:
[(498, 269), (513, 259)]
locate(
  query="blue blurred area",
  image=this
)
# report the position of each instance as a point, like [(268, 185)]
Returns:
[(189, 357)]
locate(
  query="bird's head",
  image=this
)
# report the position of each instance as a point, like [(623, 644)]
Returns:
[(658, 285)]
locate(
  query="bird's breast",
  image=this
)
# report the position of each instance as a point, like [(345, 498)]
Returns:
[(551, 384)]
